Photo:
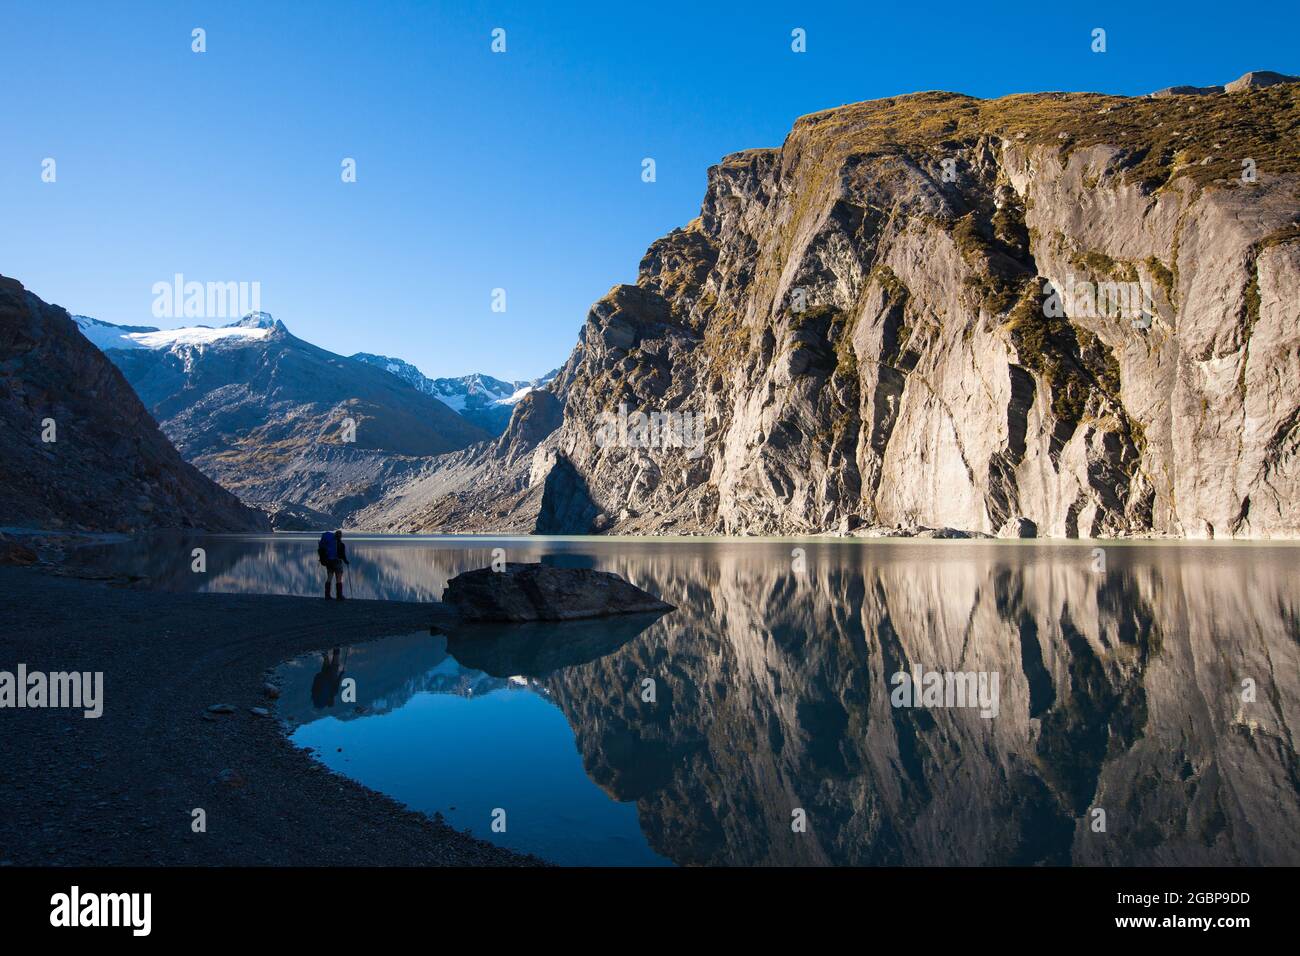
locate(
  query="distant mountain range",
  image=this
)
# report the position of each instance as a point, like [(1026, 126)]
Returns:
[(482, 399), (302, 433)]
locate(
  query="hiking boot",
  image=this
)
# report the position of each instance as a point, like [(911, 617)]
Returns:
[(328, 590)]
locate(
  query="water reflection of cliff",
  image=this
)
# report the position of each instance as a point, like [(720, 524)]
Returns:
[(1120, 691)]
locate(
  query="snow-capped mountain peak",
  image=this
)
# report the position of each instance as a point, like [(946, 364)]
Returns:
[(476, 388), (255, 320)]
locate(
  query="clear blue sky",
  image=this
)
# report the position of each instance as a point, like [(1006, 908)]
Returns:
[(475, 170)]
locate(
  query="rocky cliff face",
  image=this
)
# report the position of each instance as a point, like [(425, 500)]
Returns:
[(1073, 314), (78, 450)]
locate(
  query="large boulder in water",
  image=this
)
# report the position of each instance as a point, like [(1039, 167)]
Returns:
[(538, 592)]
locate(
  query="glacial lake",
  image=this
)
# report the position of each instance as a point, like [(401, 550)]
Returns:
[(1138, 705)]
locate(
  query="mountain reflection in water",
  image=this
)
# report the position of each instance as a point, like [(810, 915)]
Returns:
[(1125, 690)]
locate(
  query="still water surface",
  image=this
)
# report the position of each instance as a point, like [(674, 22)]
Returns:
[(1148, 699)]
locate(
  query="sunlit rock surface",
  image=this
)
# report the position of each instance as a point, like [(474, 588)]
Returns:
[(856, 332)]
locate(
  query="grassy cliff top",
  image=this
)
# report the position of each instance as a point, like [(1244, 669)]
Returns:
[(1204, 137)]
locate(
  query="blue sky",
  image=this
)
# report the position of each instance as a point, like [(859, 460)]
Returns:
[(475, 170)]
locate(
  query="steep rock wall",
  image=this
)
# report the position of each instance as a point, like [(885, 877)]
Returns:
[(877, 325)]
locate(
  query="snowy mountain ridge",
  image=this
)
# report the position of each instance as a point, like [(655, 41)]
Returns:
[(480, 399), (484, 400)]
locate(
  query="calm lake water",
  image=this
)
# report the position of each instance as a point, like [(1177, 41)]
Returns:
[(1140, 705)]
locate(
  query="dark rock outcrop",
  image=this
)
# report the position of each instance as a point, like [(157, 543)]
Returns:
[(567, 507), (78, 450), (539, 592)]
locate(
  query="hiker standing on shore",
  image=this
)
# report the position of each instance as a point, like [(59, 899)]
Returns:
[(333, 554)]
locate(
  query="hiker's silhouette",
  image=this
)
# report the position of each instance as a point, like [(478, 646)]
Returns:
[(333, 554), (325, 685)]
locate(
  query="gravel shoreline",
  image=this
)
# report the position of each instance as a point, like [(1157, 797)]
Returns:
[(120, 790)]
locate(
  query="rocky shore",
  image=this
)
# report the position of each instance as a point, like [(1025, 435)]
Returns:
[(123, 789)]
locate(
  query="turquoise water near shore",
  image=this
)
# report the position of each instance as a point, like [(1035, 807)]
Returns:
[(475, 748), (1147, 698)]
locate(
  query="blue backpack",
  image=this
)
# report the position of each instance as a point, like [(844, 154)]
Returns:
[(326, 550)]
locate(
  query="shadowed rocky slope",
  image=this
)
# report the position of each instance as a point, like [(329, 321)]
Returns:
[(892, 320), (499, 485), (109, 468)]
